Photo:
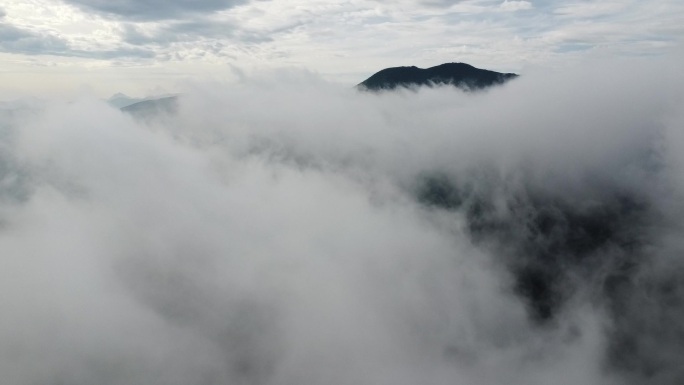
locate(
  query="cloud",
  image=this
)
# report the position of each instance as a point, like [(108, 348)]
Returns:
[(155, 9), (21, 41), (18, 40), (442, 3), (589, 10), (513, 6), (190, 31), (119, 53), (283, 230)]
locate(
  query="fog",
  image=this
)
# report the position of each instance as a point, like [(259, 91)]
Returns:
[(285, 230)]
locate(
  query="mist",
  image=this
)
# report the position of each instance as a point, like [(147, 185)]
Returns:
[(286, 230)]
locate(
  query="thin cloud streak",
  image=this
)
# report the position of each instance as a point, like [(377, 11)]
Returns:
[(155, 9)]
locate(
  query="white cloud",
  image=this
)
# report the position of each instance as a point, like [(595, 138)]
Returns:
[(513, 6), (270, 233), (590, 9)]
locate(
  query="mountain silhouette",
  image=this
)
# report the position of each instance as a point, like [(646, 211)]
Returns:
[(149, 108), (460, 75), (120, 100)]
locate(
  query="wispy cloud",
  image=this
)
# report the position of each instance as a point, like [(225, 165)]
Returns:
[(22, 41), (515, 5), (17, 40), (154, 9)]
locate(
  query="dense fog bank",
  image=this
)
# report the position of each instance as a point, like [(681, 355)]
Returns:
[(283, 230)]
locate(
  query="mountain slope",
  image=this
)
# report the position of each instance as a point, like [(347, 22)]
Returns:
[(461, 75), (152, 107), (120, 100)]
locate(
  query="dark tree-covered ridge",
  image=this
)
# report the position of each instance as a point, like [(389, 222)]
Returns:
[(461, 75)]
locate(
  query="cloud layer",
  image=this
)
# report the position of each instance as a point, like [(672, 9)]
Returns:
[(155, 9), (286, 231)]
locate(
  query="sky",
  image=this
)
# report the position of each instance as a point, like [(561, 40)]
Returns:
[(149, 46)]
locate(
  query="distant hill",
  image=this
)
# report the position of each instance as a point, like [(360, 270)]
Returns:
[(461, 75), (152, 107), (120, 100)]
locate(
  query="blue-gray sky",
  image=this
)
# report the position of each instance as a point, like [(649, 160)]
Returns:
[(136, 45)]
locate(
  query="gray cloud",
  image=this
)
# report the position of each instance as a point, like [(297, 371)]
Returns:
[(120, 53), (176, 40), (440, 3), (18, 40), (188, 31), (154, 9)]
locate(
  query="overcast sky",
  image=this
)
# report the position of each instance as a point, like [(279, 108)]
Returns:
[(137, 45)]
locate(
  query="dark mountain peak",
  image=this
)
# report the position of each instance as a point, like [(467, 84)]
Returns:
[(460, 75)]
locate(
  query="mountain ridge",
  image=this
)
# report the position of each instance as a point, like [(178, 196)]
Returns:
[(461, 75)]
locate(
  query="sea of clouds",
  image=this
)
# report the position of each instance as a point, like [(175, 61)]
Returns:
[(285, 230)]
